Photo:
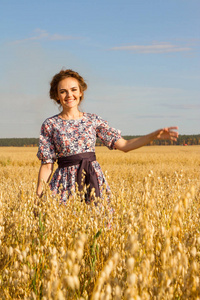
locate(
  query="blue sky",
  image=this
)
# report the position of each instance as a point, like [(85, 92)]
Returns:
[(141, 61)]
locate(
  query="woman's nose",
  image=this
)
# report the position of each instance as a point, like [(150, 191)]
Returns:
[(68, 94)]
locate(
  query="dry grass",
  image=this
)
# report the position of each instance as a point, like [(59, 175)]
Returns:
[(151, 251)]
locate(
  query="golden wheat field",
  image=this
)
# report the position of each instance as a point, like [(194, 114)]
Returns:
[(146, 247)]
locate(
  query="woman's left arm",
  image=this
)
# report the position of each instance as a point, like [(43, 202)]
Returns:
[(167, 133)]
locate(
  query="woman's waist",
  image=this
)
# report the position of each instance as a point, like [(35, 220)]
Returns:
[(76, 159)]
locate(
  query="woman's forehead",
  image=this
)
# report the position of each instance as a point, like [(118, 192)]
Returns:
[(68, 82)]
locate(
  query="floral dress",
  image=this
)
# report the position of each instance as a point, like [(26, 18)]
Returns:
[(61, 138)]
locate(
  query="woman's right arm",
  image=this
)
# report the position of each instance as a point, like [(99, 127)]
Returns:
[(43, 176)]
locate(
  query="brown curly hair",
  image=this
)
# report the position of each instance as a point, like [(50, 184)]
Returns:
[(53, 92)]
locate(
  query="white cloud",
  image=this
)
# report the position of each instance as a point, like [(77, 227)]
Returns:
[(41, 34), (153, 48)]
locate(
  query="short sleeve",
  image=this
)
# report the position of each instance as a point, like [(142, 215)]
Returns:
[(107, 134), (46, 151)]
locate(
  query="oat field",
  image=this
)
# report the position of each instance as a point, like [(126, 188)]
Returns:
[(148, 247)]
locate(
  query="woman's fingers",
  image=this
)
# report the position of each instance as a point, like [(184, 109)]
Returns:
[(173, 127), (168, 133)]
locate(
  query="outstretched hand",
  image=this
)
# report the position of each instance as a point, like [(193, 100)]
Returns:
[(167, 133)]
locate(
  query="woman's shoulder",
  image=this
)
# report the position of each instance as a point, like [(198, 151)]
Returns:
[(51, 119), (50, 122), (92, 116)]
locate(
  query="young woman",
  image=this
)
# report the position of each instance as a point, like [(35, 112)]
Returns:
[(69, 138)]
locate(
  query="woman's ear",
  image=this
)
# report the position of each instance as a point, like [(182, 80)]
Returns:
[(57, 99)]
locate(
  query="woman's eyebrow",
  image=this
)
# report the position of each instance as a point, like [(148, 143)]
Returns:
[(74, 87)]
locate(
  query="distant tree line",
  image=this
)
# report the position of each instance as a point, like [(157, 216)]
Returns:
[(19, 142), (33, 142)]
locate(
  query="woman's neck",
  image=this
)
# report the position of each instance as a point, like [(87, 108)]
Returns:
[(71, 114)]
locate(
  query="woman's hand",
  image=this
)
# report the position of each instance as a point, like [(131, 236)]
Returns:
[(167, 133), (43, 176)]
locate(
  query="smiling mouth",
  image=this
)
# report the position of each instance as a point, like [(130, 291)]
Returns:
[(69, 100)]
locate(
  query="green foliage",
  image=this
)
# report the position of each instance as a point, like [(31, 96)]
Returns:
[(94, 250)]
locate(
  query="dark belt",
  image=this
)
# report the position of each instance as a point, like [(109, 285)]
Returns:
[(84, 160)]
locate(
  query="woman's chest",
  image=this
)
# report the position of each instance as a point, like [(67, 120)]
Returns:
[(74, 138)]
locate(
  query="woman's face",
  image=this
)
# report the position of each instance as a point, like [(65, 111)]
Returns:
[(69, 93)]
